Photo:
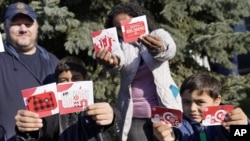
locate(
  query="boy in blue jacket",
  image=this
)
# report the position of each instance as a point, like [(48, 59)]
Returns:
[(197, 92)]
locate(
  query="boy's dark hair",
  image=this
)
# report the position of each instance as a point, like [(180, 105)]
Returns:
[(132, 9), (71, 63), (203, 82)]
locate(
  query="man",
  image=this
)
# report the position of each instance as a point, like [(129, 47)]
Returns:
[(24, 64)]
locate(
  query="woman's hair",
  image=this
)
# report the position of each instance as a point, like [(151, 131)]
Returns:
[(202, 82), (71, 63), (132, 9)]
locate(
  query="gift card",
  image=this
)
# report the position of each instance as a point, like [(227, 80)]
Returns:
[(1, 44), (45, 101), (214, 115), (133, 28), (75, 96), (41, 100), (106, 38), (172, 116)]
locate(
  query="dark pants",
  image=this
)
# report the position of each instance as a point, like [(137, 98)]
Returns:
[(141, 130)]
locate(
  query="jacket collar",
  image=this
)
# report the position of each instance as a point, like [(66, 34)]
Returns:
[(11, 50)]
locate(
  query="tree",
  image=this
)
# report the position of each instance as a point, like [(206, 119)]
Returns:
[(206, 28), (200, 28)]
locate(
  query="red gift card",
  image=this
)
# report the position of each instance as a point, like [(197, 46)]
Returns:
[(41, 100), (106, 38), (133, 28), (214, 115), (172, 116)]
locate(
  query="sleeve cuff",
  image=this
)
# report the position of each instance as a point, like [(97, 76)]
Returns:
[(27, 136)]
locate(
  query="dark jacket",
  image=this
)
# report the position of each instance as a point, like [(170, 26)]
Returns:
[(72, 127), (15, 76), (190, 131)]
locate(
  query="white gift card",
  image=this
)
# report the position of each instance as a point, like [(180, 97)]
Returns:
[(75, 96), (106, 38), (1, 44)]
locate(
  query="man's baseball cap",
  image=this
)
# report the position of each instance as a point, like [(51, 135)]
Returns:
[(19, 8)]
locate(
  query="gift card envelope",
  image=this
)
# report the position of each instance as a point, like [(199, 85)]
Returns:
[(133, 28), (214, 115), (75, 96), (1, 44), (168, 115), (41, 100), (106, 38)]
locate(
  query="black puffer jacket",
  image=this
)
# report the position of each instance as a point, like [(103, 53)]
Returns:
[(72, 127)]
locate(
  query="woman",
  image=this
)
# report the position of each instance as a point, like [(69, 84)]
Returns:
[(145, 74)]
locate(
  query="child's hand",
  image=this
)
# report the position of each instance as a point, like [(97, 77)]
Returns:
[(27, 121), (102, 113), (163, 131), (235, 117)]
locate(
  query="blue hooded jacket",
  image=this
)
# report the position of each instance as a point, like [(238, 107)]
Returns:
[(14, 77), (190, 131)]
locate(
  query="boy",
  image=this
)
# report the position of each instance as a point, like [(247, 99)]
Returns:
[(197, 92), (83, 126)]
